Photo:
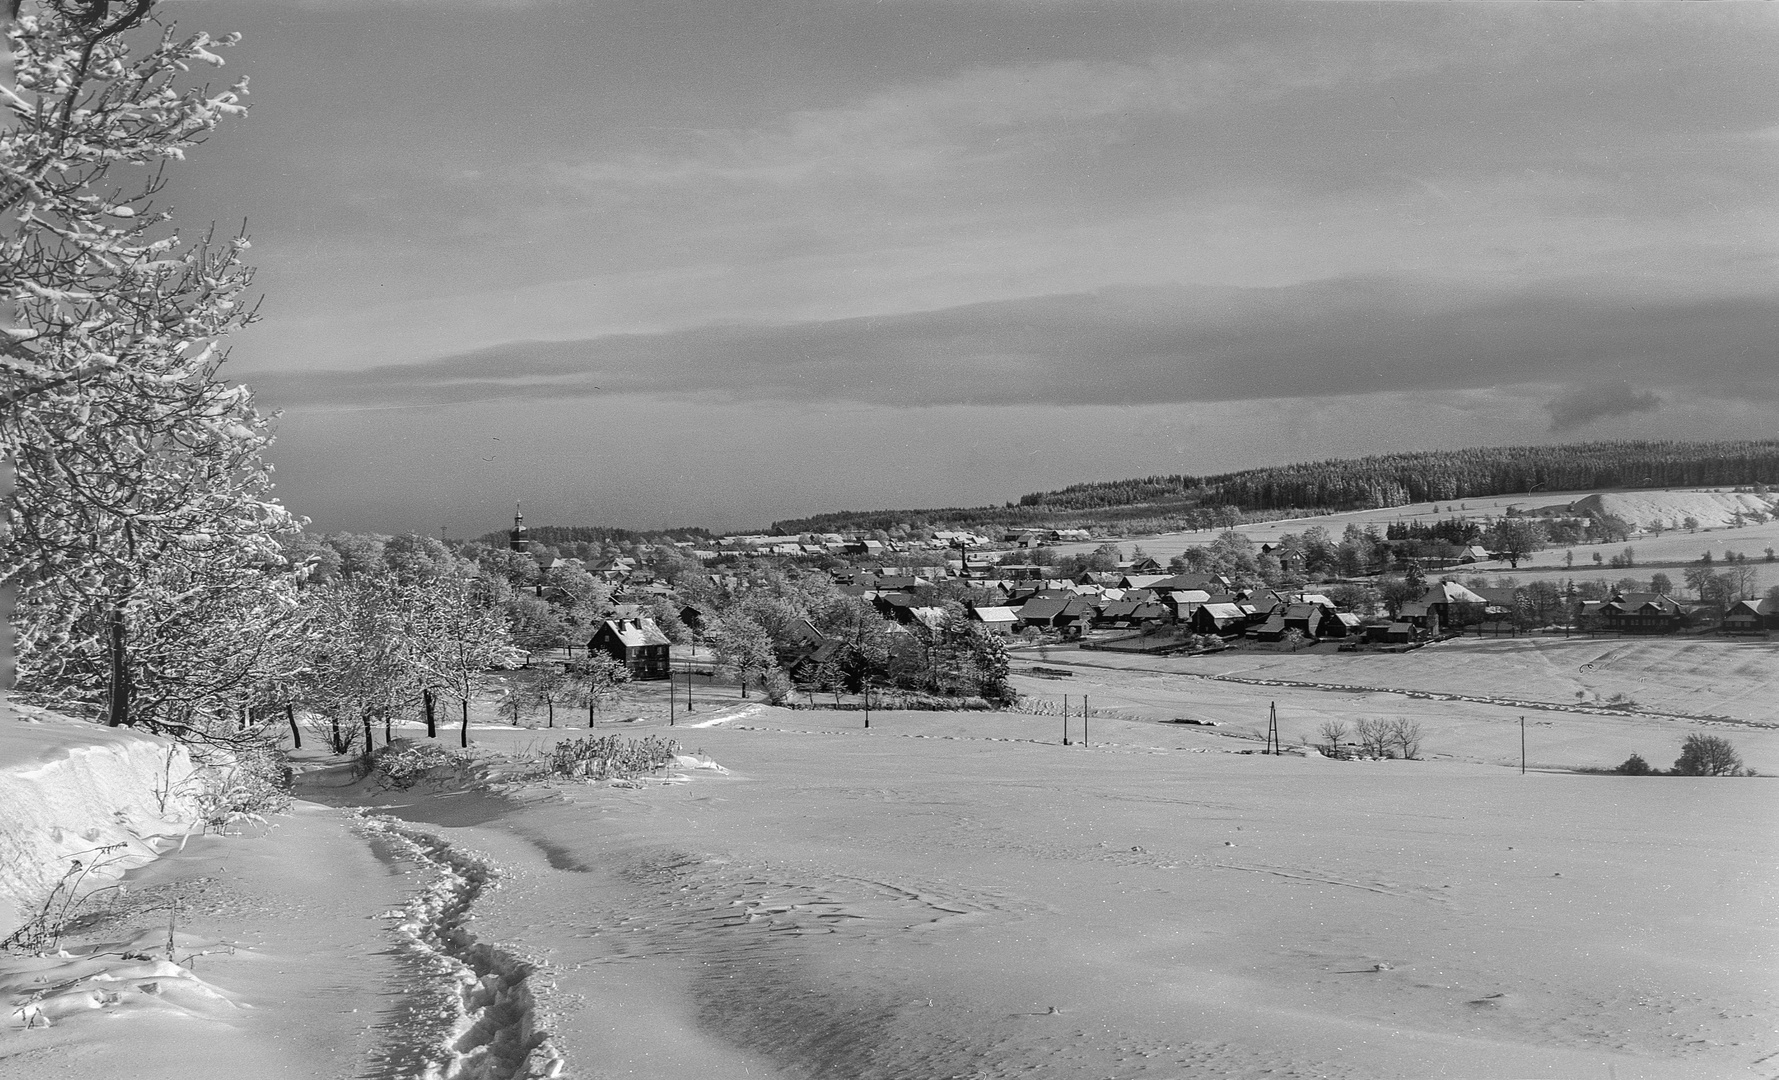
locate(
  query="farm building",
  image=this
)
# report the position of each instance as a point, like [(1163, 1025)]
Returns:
[(1001, 620)]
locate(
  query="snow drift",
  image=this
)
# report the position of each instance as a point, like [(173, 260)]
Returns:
[(83, 803)]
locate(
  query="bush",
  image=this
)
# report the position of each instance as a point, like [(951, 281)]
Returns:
[(1707, 755), (777, 686), (1635, 766), (251, 781), (402, 765), (610, 757)]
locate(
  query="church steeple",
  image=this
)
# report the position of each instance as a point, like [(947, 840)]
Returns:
[(520, 538)]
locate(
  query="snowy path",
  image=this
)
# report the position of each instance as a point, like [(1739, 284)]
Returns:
[(282, 929)]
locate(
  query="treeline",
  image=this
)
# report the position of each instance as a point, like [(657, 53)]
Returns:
[(567, 535), (1195, 502)]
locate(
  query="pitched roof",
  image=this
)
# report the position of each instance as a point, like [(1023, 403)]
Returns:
[(1450, 592), (632, 633), (1223, 611), (994, 614)]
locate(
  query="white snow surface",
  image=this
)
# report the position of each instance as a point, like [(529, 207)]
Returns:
[(943, 895)]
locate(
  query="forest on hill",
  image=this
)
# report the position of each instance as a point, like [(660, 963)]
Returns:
[(1164, 503)]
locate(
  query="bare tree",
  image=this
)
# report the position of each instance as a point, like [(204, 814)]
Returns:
[(1333, 732), (1405, 735), (1373, 736)]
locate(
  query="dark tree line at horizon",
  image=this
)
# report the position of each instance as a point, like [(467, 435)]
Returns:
[(559, 535), (1182, 501)]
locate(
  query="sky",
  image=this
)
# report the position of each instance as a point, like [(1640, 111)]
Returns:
[(661, 263)]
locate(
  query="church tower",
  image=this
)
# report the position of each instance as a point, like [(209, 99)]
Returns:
[(520, 538)]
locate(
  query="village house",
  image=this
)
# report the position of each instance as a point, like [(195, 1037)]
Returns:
[(1748, 617), (637, 643), (999, 620), (1224, 620), (1639, 613), (1066, 614)]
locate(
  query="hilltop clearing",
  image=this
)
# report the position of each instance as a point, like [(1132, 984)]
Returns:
[(1668, 509)]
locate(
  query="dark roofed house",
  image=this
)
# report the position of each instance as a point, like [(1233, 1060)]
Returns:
[(638, 644), (1745, 617), (1640, 613), (1067, 614)]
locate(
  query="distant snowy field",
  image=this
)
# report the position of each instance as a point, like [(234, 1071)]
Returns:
[(949, 895), (1713, 509)]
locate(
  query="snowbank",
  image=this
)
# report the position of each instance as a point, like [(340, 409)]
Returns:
[(83, 803)]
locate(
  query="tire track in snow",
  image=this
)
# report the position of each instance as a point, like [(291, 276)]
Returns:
[(474, 1017)]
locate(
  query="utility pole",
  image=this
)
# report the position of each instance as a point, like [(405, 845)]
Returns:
[(1065, 719), (1272, 732), (1083, 719), (1522, 746)]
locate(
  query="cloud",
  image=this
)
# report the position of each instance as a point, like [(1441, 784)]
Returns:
[(997, 112), (1128, 345), (1580, 405)]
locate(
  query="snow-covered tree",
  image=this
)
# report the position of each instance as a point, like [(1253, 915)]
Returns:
[(458, 637), (142, 496)]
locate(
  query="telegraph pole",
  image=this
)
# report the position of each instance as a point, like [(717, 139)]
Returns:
[(1065, 719)]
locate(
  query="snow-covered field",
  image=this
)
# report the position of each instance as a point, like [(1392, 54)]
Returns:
[(958, 895), (1713, 509)]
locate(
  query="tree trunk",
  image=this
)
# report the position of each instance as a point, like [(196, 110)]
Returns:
[(464, 731), (432, 731), (550, 708), (119, 714), (369, 744), (295, 735)]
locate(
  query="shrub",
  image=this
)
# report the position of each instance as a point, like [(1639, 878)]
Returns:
[(403, 765), (1332, 732), (609, 757), (777, 686), (1635, 766), (1707, 755)]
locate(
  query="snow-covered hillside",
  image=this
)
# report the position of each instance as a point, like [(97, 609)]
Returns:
[(1670, 509)]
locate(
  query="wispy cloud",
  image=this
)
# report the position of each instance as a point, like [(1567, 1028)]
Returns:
[(993, 112), (1130, 346), (1579, 405)]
